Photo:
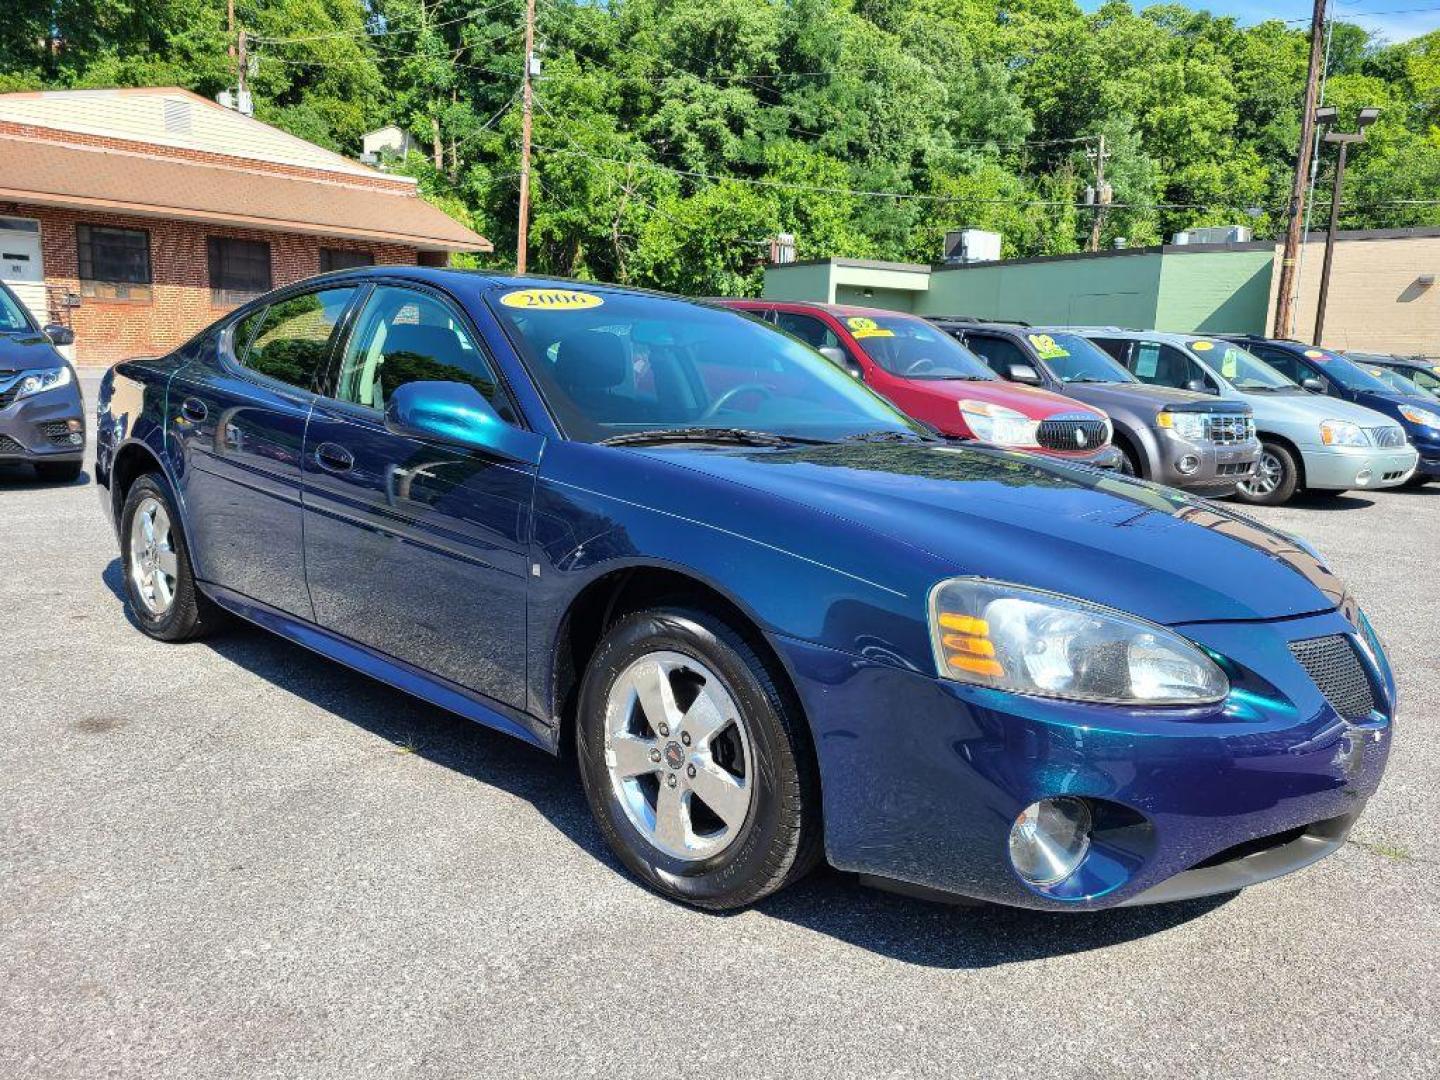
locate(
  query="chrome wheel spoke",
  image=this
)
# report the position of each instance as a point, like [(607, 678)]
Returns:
[(671, 814), (165, 558), (657, 696), (630, 755), (161, 585), (705, 718), (727, 795)]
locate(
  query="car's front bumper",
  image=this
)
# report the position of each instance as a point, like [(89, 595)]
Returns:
[(922, 778), (1217, 467), (48, 426), (1343, 468), (1103, 457)]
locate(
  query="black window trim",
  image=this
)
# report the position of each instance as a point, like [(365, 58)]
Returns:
[(232, 359), (327, 384)]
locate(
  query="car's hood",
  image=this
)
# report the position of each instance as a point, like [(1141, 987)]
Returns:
[(1302, 407), (1138, 395), (1034, 402), (1024, 518), (22, 352)]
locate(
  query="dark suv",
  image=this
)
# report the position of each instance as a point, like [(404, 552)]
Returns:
[(1178, 437), (41, 411)]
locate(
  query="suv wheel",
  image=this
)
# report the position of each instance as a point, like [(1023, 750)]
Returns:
[(1274, 479), (696, 766)]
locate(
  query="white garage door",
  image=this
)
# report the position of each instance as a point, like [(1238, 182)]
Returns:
[(22, 265)]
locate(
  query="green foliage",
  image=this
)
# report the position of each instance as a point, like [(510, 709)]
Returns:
[(674, 138)]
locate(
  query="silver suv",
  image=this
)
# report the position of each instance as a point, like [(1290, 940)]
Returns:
[(1309, 441)]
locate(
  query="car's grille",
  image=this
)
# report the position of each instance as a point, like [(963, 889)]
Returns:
[(1336, 668), (10, 446), (1071, 433), (1234, 468), (57, 431), (1387, 436), (1229, 428), (7, 395)]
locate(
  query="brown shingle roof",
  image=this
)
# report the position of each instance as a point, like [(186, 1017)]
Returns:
[(77, 177)]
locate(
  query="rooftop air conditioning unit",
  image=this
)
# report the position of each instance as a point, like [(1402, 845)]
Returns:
[(1215, 234), (971, 246)]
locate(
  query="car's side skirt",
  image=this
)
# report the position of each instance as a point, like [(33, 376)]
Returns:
[(388, 669)]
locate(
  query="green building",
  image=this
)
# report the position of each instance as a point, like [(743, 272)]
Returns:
[(1206, 288)]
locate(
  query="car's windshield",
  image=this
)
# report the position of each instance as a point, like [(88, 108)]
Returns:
[(13, 317), (614, 363), (912, 348), (1393, 379), (1427, 379), (1346, 372), (1241, 369), (1075, 360)]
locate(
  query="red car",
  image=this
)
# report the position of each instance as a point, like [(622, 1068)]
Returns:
[(928, 374)]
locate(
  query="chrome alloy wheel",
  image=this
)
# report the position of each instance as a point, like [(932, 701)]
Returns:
[(1266, 477), (678, 755), (153, 562)]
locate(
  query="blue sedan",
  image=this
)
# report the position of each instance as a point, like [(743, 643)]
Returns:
[(773, 620)]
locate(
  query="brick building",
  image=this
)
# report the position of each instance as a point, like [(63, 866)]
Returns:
[(138, 216)]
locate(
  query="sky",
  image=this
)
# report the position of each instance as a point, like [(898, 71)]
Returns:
[(1395, 20)]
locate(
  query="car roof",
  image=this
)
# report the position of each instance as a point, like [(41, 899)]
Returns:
[(452, 275), (844, 310)]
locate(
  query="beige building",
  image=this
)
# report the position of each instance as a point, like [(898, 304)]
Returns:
[(1384, 291)]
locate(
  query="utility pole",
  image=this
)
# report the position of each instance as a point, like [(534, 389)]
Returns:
[(522, 234), (1100, 196), (1284, 296), (1344, 139)]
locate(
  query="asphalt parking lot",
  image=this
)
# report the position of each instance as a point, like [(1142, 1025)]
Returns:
[(233, 858)]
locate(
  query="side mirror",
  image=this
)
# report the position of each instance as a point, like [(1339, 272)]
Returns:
[(1313, 384), (59, 335), (1200, 386), (841, 359), (456, 413), (1024, 373)]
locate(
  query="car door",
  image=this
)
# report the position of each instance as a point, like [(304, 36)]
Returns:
[(238, 415), (414, 548)]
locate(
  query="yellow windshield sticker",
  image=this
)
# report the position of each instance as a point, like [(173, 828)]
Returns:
[(1203, 346), (1047, 348), (861, 327), (551, 299), (1314, 354)]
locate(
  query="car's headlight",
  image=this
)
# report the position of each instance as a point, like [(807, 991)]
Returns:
[(1423, 417), (1008, 637), (1342, 433), (1189, 426), (999, 425), (37, 382)]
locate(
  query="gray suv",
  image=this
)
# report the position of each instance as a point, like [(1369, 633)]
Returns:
[(1310, 442), (42, 416), (1182, 438)]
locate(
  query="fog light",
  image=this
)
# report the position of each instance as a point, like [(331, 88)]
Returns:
[(1188, 464), (1050, 839), (73, 425), (76, 438), (1363, 477)]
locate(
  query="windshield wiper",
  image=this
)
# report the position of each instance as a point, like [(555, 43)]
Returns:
[(738, 436), (889, 435), (1086, 379)]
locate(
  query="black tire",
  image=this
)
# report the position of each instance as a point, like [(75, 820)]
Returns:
[(780, 840), (58, 472), (190, 615), (1286, 485), (1128, 465)]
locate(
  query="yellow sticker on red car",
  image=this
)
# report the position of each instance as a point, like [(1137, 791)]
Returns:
[(551, 299), (861, 327), (1047, 348)]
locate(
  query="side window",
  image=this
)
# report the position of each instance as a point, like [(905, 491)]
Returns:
[(808, 329), (290, 340), (1283, 362), (997, 353), (1119, 348), (405, 336), (1164, 365)]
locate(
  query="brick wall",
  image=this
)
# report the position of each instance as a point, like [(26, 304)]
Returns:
[(180, 304)]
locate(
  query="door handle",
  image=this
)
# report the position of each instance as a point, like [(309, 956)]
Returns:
[(333, 458), (194, 409)]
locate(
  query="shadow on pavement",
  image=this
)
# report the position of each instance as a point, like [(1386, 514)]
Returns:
[(1326, 500), (24, 478), (827, 902)]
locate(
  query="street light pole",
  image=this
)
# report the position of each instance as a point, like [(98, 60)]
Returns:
[(1324, 117)]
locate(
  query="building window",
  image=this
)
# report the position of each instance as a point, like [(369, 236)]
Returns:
[(343, 259), (239, 270), (114, 263)]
